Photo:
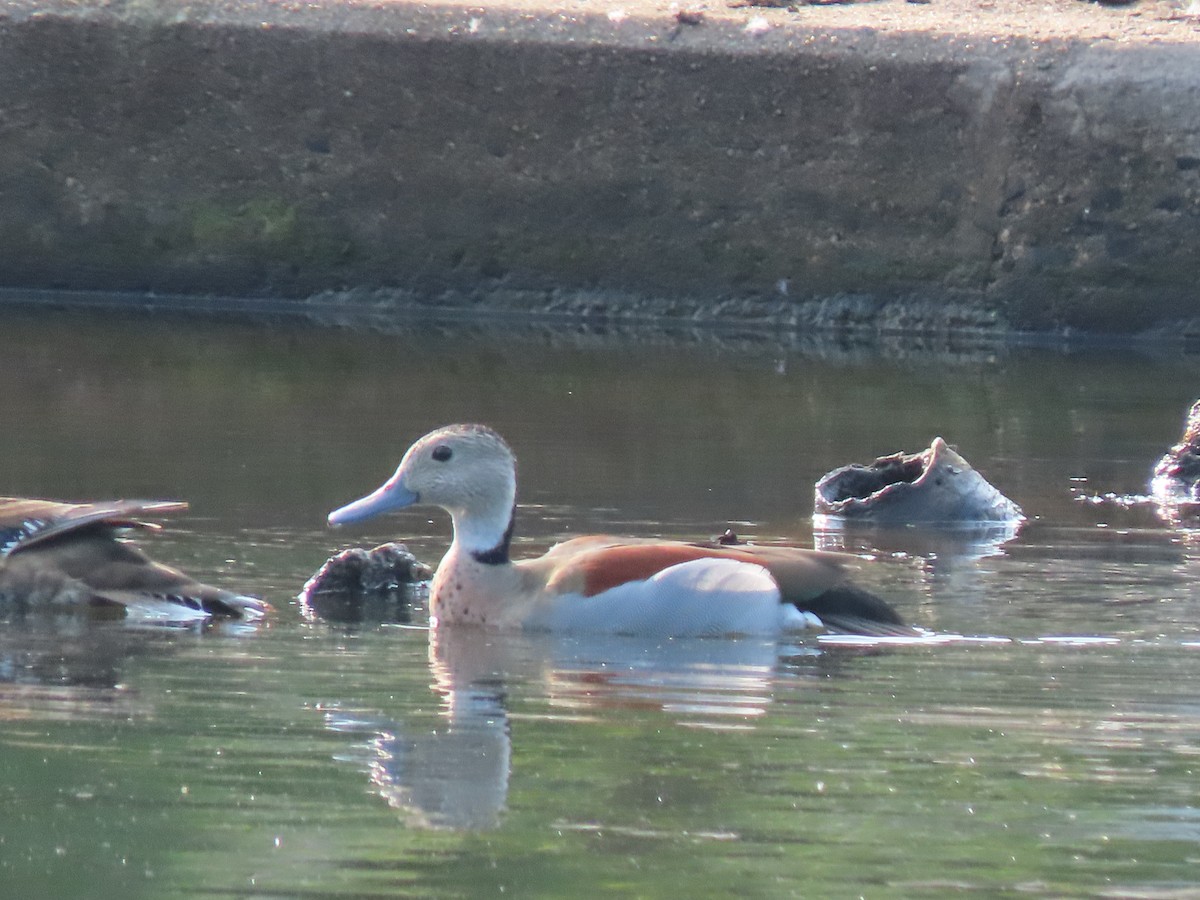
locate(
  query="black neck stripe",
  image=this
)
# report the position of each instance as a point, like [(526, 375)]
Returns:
[(498, 555)]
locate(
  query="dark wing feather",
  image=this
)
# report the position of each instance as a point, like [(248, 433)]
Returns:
[(26, 523), (851, 610)]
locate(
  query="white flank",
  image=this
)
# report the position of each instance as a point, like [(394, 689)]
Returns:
[(699, 598)]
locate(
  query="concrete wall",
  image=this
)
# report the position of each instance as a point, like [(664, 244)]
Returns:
[(455, 157)]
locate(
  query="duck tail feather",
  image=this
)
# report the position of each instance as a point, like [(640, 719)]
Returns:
[(853, 610)]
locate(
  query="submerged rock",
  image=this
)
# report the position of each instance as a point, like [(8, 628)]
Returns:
[(1176, 477), (358, 584), (933, 487)]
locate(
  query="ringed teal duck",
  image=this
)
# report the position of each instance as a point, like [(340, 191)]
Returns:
[(66, 555), (600, 583)]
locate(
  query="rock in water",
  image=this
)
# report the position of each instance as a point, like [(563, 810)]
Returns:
[(933, 487)]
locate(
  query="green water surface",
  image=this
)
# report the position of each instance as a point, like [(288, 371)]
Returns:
[(310, 758)]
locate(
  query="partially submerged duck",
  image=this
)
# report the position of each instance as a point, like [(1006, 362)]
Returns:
[(382, 569), (72, 555), (601, 583), (934, 487), (1176, 478), (358, 585)]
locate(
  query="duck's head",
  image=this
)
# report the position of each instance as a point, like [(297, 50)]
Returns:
[(467, 470)]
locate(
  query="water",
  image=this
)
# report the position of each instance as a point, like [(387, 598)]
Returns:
[(307, 758)]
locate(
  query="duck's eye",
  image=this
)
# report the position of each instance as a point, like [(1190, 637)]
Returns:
[(441, 453)]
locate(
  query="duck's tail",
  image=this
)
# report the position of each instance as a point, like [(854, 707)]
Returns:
[(187, 602), (847, 609)]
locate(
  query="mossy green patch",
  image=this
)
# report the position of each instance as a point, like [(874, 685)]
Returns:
[(266, 224), (268, 229)]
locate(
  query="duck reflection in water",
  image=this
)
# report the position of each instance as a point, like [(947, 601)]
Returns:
[(71, 666), (456, 774)]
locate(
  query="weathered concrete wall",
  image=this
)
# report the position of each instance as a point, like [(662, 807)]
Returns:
[(466, 158)]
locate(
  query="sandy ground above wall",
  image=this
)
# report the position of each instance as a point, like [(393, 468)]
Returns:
[(1148, 21)]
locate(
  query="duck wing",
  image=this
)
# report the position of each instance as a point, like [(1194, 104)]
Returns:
[(61, 554), (813, 581), (25, 523), (816, 581)]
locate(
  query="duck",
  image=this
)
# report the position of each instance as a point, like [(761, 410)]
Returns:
[(357, 585), (357, 571), (1176, 478), (67, 556), (600, 583)]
